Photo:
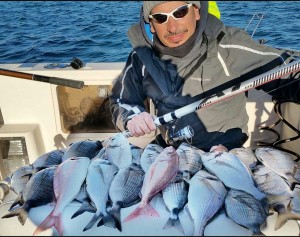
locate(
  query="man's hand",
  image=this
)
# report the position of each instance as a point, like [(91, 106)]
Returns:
[(141, 124)]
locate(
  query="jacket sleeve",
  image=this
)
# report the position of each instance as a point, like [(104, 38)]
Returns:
[(127, 97)]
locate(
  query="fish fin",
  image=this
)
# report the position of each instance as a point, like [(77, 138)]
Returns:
[(29, 175), (17, 201), (293, 184), (282, 218), (116, 213), (12, 214), (109, 221), (85, 207), (169, 223), (174, 222), (96, 217), (59, 226), (46, 224), (259, 233), (148, 210)]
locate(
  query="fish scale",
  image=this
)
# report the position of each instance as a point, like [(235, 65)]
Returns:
[(99, 177), (175, 197), (20, 178), (227, 167), (48, 159), (246, 155), (160, 173), (272, 184), (38, 191), (278, 161), (87, 148), (189, 158), (245, 210), (125, 189), (150, 152), (205, 197), (68, 178), (118, 151)]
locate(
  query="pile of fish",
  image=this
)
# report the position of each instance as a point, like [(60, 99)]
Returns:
[(249, 185)]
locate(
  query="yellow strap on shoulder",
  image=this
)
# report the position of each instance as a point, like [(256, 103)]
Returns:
[(213, 9)]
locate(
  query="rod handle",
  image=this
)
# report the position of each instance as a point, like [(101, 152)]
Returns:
[(59, 81)]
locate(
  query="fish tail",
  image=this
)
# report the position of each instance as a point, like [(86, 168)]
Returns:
[(49, 222), (258, 233), (109, 221), (84, 207), (21, 213), (147, 210), (199, 230), (59, 226), (96, 217), (174, 222), (282, 218), (17, 201), (116, 213)]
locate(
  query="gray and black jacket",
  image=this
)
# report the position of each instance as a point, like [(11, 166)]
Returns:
[(221, 56)]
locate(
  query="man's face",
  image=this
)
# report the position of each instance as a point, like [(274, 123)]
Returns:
[(174, 32)]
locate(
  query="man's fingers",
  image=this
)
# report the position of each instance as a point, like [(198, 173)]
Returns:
[(141, 124), (150, 122)]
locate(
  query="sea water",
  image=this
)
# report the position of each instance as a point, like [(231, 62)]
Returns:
[(95, 31)]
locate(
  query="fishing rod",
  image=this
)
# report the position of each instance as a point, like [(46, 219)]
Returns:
[(40, 78), (187, 132)]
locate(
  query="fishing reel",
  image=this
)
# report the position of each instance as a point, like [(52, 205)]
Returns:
[(173, 136)]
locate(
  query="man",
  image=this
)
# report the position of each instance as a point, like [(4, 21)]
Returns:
[(189, 54)]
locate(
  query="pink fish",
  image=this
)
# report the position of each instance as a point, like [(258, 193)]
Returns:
[(67, 182), (159, 174)]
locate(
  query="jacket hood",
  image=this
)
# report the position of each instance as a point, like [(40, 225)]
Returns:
[(144, 27)]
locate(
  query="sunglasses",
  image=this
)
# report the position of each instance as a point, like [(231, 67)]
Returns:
[(178, 13)]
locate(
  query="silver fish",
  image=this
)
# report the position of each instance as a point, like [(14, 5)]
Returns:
[(278, 193), (231, 171), (125, 189), (38, 191), (189, 158), (175, 197), (205, 197), (245, 210), (160, 173), (86, 148), (20, 178), (99, 177), (246, 155), (273, 185), (68, 178), (150, 152), (118, 151), (279, 161), (47, 160)]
